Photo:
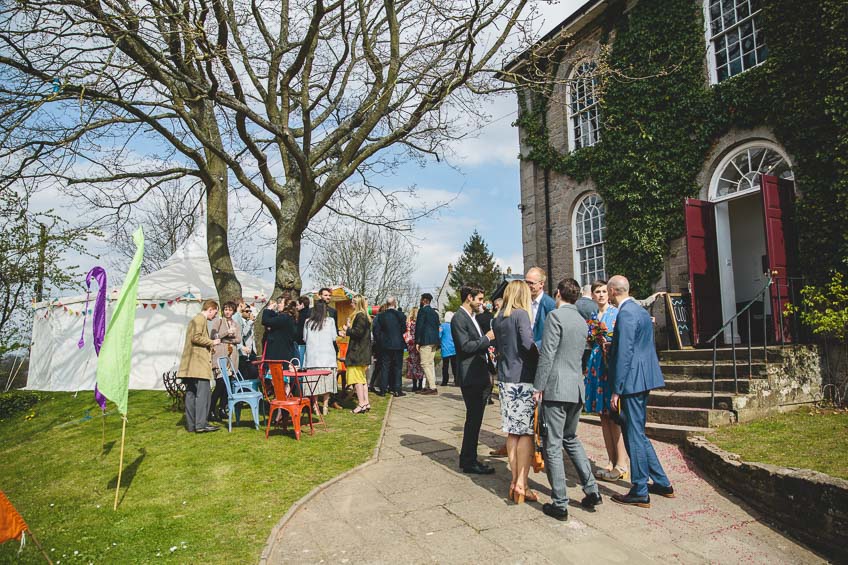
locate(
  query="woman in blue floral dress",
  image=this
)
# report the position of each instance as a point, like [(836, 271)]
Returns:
[(599, 391)]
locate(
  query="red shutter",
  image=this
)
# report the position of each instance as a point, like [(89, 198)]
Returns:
[(703, 269), (778, 209)]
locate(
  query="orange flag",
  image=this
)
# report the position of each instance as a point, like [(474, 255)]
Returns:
[(12, 525)]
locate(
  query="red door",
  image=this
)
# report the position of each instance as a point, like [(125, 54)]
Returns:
[(704, 285), (778, 210)]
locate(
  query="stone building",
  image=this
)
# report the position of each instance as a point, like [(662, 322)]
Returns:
[(738, 227)]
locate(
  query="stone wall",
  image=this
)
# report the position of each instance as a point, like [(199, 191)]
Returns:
[(792, 378), (810, 506)]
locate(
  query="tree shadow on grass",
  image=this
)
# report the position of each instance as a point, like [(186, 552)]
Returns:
[(128, 474)]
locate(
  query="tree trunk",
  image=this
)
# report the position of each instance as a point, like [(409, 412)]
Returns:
[(217, 247), (287, 276)]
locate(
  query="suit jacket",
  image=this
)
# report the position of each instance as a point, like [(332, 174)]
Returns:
[(196, 361), (587, 307), (281, 339), (301, 322), (517, 353), (388, 330), (228, 341), (633, 364), (546, 305), (471, 349), (560, 371), (427, 326)]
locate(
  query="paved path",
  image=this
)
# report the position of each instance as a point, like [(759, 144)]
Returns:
[(413, 506)]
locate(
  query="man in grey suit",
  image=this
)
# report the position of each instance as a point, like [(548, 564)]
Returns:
[(559, 385)]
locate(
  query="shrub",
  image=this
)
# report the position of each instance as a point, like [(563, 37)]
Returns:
[(17, 401)]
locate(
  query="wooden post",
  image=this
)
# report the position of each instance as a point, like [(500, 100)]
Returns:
[(103, 438), (121, 464), (38, 545)]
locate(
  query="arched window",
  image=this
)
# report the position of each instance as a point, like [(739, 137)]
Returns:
[(739, 172), (589, 232), (583, 112)]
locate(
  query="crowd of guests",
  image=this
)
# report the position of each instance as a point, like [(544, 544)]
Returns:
[(584, 349)]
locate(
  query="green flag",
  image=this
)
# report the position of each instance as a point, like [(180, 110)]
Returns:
[(113, 364)]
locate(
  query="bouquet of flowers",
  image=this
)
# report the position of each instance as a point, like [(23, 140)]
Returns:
[(598, 332)]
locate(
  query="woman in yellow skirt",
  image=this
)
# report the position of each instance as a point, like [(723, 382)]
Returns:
[(358, 329)]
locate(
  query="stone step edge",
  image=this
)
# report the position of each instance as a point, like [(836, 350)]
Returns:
[(666, 432)]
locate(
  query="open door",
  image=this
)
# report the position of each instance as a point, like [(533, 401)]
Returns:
[(704, 285), (781, 247)]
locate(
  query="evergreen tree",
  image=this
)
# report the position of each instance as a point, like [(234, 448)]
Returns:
[(476, 267)]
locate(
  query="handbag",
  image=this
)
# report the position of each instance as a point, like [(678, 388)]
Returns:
[(539, 431)]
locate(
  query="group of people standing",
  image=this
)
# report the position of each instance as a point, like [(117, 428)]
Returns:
[(547, 357)]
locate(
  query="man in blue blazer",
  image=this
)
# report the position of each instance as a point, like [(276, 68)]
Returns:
[(541, 304), (635, 371)]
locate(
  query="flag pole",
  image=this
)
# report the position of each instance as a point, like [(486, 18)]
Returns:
[(103, 437), (121, 464), (35, 539)]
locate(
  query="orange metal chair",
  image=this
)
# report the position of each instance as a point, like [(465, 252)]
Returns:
[(293, 403)]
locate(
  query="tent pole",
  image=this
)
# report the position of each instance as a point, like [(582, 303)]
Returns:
[(121, 464)]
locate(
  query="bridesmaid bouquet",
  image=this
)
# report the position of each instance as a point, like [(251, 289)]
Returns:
[(598, 332)]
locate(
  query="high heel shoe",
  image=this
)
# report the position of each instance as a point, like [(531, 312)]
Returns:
[(361, 409), (521, 495)]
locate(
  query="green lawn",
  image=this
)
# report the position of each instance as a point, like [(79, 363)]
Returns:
[(806, 438), (188, 498)]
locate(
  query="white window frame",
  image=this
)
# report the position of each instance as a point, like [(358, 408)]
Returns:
[(709, 37), (730, 156), (576, 247), (572, 141)]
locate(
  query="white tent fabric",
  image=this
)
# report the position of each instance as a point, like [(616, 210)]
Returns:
[(168, 298)]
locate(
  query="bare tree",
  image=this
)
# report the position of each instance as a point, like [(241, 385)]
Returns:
[(295, 103), (169, 217), (372, 261)]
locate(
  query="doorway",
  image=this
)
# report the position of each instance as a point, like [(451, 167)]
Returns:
[(738, 238), (743, 264)]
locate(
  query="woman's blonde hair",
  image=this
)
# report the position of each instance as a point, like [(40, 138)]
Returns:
[(413, 314), (516, 297), (360, 305)]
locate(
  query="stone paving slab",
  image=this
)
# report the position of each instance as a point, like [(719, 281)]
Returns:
[(414, 506)]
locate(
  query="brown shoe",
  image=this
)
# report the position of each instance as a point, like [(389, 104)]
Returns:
[(428, 391), (336, 405), (499, 452)]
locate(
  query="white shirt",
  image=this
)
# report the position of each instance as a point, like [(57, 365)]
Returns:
[(534, 307), (473, 319)]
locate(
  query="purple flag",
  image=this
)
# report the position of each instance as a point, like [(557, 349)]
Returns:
[(98, 319)]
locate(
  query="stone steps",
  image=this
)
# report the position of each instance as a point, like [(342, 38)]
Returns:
[(688, 399), (663, 432), (705, 370), (723, 354), (687, 416), (746, 386)]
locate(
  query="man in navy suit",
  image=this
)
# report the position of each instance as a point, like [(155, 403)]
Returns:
[(540, 303), (635, 371)]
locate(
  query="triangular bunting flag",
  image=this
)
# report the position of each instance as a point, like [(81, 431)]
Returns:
[(145, 305), (153, 306)]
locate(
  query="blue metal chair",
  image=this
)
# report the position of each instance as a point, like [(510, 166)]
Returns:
[(237, 392)]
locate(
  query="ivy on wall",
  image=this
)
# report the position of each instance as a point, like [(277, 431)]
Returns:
[(661, 119)]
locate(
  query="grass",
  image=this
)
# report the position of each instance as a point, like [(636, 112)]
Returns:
[(808, 438), (214, 497)]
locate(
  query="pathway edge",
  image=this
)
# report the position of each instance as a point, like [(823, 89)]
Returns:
[(375, 456)]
